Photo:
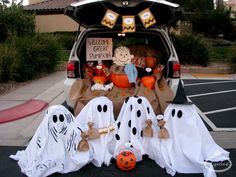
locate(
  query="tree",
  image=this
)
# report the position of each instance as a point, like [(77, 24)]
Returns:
[(196, 5), (204, 18)]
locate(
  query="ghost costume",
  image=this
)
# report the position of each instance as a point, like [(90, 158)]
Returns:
[(131, 123), (99, 111), (53, 147), (190, 146)]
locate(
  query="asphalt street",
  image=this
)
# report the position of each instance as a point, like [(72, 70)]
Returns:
[(216, 99), (147, 167)]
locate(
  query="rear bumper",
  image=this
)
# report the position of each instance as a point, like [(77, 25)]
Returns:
[(173, 84), (67, 86)]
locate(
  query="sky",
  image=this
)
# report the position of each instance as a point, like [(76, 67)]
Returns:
[(25, 2)]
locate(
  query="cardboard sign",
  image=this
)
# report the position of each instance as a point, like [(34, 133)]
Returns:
[(128, 24), (98, 49), (147, 18), (110, 18)]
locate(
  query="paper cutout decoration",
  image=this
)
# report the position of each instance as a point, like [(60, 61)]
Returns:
[(128, 24), (110, 18), (147, 18)]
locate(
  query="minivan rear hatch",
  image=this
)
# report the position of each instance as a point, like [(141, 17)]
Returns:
[(91, 12)]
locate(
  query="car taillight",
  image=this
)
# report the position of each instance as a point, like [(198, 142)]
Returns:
[(176, 69), (71, 69)]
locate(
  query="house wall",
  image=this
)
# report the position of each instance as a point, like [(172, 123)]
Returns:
[(56, 22), (34, 1)]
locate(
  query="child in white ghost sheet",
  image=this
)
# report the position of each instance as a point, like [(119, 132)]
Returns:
[(136, 117), (97, 119), (190, 146), (53, 147)]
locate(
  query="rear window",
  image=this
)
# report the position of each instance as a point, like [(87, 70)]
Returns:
[(141, 44)]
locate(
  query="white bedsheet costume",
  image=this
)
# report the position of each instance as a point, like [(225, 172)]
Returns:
[(190, 145), (53, 147), (99, 111), (131, 123)]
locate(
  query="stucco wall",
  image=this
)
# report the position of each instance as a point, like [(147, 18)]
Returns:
[(52, 23), (34, 1)]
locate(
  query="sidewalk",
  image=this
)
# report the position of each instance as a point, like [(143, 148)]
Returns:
[(50, 89)]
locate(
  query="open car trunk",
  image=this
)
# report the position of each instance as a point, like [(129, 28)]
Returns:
[(91, 12), (99, 54), (149, 49)]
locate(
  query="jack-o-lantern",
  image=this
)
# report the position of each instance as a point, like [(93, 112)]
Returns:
[(148, 81), (126, 160), (150, 62)]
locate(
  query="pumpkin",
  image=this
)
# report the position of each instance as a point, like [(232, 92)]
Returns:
[(159, 68), (126, 160), (121, 80), (148, 81), (99, 79), (150, 62), (102, 70)]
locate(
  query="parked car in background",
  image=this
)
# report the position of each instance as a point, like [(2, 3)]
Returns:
[(153, 40)]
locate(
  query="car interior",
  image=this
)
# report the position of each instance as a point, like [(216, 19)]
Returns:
[(141, 45)]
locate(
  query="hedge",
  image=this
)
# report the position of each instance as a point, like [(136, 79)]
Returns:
[(7, 57), (233, 61), (191, 50), (30, 56), (14, 21)]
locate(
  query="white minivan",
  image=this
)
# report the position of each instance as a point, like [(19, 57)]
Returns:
[(89, 14)]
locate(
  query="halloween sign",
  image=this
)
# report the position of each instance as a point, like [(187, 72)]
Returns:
[(128, 21), (128, 24), (98, 49), (110, 18), (147, 18)]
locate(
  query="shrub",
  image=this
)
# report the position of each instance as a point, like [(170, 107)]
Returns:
[(15, 21), (66, 39), (212, 23), (35, 54), (3, 32), (191, 50), (233, 61), (6, 59)]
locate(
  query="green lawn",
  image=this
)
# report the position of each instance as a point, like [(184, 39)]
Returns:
[(221, 53), (220, 50)]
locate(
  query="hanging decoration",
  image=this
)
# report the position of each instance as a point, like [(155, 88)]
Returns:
[(128, 24), (110, 18), (128, 21), (147, 18)]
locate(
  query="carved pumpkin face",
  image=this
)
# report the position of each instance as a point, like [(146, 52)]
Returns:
[(126, 160)]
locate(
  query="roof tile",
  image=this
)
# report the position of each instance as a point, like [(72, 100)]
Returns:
[(49, 5)]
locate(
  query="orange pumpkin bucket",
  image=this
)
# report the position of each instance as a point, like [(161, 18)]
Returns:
[(126, 160)]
